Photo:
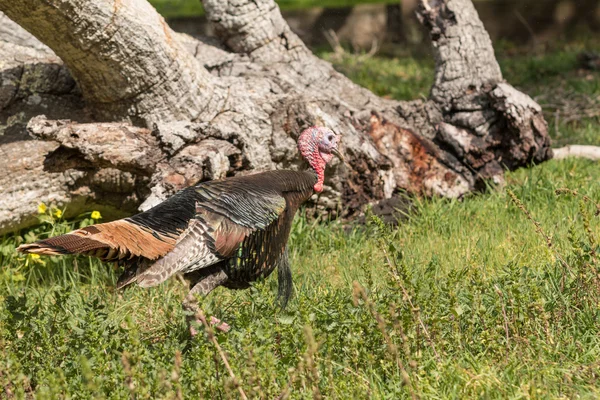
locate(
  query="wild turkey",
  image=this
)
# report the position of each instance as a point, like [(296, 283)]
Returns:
[(226, 232)]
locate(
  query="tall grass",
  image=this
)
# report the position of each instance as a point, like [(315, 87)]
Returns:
[(494, 296)]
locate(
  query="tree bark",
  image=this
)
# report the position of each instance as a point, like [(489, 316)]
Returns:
[(138, 111)]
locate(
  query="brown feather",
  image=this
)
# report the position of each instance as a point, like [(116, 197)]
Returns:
[(63, 244), (227, 240), (227, 234), (126, 238)]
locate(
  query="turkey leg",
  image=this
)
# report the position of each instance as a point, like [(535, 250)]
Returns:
[(194, 314)]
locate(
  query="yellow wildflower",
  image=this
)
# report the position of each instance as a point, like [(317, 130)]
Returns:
[(42, 208), (96, 215), (58, 213), (35, 258)]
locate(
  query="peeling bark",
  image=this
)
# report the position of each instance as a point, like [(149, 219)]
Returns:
[(419, 164), (137, 125), (112, 145)]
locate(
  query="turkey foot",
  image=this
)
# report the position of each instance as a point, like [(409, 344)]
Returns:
[(195, 316), (220, 325), (200, 319)]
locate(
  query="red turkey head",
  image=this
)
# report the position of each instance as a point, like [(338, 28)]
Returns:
[(318, 145)]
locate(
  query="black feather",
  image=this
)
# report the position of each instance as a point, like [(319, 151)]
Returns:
[(170, 217), (284, 280)]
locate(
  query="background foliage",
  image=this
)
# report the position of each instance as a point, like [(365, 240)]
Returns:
[(193, 8)]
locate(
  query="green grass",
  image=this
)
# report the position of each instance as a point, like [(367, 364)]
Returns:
[(178, 8), (504, 316), (464, 299), (400, 78), (193, 8)]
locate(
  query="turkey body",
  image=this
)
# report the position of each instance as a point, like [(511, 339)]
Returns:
[(227, 232)]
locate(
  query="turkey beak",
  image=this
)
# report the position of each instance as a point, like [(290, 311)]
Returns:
[(337, 153)]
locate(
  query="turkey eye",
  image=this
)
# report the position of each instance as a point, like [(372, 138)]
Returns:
[(329, 138)]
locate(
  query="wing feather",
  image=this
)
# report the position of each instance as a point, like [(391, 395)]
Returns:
[(192, 252)]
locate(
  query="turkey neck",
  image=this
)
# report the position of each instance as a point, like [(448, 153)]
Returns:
[(282, 182)]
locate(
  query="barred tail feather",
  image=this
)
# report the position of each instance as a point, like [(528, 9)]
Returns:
[(63, 244), (109, 241)]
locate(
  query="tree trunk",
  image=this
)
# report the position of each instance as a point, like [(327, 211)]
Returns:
[(138, 111)]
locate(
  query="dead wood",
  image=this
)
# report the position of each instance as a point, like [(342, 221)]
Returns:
[(151, 111)]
